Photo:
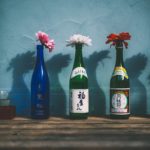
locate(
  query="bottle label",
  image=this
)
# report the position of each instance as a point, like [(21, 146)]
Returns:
[(79, 100), (40, 106), (78, 71), (119, 101), (120, 71)]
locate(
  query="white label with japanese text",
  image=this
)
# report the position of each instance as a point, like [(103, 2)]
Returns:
[(79, 101), (78, 71)]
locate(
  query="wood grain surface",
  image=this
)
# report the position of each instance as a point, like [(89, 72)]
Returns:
[(59, 133)]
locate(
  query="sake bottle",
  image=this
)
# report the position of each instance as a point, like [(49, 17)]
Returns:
[(79, 93), (119, 87), (40, 88)]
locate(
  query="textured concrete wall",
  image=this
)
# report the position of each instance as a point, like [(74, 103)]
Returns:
[(20, 19)]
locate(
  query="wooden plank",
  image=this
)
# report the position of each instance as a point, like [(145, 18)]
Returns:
[(79, 126), (113, 145), (74, 131), (93, 120), (75, 136), (94, 133)]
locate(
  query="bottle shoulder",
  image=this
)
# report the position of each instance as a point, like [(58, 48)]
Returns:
[(120, 72), (79, 79), (39, 73), (79, 82), (120, 67), (40, 70), (77, 65), (119, 82)]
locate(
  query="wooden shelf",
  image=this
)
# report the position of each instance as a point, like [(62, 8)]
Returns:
[(93, 133)]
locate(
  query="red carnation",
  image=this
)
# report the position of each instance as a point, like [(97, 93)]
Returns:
[(121, 37)]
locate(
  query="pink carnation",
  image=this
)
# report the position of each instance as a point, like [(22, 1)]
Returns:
[(45, 40), (50, 45)]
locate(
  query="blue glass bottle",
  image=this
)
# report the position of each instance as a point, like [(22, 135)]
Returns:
[(40, 88)]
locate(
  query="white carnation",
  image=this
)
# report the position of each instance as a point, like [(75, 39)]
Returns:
[(79, 39)]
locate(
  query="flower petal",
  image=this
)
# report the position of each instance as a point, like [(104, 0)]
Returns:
[(77, 38), (121, 37), (45, 40)]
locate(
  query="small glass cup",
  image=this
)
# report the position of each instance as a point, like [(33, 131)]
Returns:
[(4, 100)]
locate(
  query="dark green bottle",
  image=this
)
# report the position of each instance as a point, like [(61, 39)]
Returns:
[(79, 93), (119, 87)]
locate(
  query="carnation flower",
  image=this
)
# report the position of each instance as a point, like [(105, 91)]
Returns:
[(45, 40), (121, 37), (79, 39)]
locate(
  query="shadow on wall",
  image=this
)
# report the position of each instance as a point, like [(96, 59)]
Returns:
[(19, 94), (57, 97), (148, 79), (135, 66), (96, 94)]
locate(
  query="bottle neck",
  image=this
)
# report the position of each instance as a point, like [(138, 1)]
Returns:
[(40, 57), (78, 56), (119, 55)]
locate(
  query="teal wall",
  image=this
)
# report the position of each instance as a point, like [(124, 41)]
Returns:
[(21, 19)]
